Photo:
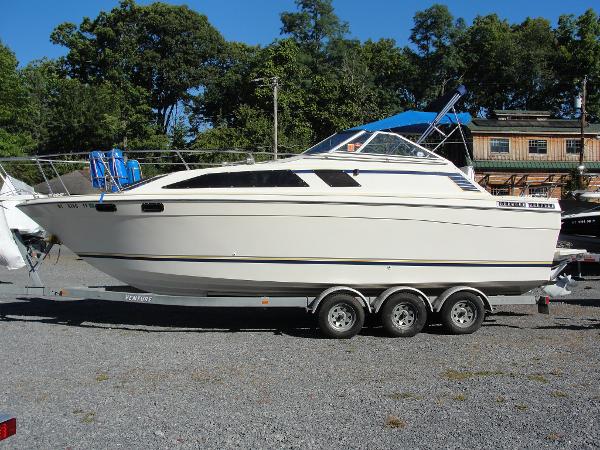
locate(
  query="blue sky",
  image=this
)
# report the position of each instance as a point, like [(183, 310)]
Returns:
[(25, 25)]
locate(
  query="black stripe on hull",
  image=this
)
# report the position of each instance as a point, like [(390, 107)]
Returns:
[(300, 202), (311, 262)]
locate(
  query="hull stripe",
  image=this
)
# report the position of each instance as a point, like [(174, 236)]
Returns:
[(298, 201), (253, 260)]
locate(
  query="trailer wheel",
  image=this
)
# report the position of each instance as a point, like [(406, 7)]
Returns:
[(462, 313), (404, 314), (341, 316)]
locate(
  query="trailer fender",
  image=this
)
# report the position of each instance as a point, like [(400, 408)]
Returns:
[(379, 301), (314, 305), (439, 301)]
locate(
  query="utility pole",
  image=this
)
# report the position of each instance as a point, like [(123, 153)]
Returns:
[(275, 124), (581, 167), (274, 83)]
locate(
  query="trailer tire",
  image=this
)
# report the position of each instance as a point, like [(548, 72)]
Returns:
[(341, 316), (463, 313), (403, 315)]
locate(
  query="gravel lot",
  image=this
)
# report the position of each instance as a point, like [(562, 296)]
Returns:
[(88, 374)]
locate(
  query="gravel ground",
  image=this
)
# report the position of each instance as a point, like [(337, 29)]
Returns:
[(88, 374)]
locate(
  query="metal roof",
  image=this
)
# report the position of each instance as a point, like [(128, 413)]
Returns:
[(533, 165), (520, 112), (558, 126)]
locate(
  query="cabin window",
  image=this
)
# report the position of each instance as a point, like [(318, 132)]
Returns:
[(337, 178), (499, 145), (573, 146), (254, 179), (538, 146)]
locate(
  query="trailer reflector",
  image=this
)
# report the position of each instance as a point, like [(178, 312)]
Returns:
[(8, 426)]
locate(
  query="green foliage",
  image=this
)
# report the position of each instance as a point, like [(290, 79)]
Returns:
[(578, 55), (438, 39), (158, 76), (163, 49), (314, 24), (14, 107)]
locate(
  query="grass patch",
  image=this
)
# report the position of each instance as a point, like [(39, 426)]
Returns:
[(203, 377), (537, 377), (404, 396), (394, 422), (456, 375), (101, 377), (554, 436), (559, 394), (89, 417), (460, 397)]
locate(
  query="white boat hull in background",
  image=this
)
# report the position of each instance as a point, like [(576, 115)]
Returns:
[(12, 193)]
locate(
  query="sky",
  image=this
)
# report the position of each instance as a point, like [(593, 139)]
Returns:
[(25, 25)]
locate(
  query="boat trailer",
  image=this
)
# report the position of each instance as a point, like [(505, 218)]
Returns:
[(402, 310)]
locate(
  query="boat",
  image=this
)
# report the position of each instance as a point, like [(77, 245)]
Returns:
[(13, 192), (585, 223), (364, 209)]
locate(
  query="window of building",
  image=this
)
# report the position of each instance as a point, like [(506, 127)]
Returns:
[(247, 179), (500, 190), (573, 146), (539, 191), (499, 145), (538, 146)]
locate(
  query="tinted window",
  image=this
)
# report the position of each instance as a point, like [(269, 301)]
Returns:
[(336, 178), (260, 178)]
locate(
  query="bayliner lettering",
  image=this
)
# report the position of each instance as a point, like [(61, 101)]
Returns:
[(541, 205), (512, 204)]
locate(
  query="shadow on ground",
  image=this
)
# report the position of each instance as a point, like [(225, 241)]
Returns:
[(173, 319), (143, 318)]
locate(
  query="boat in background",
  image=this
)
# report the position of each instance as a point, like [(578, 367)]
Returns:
[(365, 209), (13, 192)]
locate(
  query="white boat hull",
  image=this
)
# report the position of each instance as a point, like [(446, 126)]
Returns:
[(243, 244)]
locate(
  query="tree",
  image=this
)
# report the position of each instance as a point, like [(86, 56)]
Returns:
[(534, 65), (15, 107), (70, 115), (164, 49), (492, 64), (578, 56), (437, 37), (314, 25)]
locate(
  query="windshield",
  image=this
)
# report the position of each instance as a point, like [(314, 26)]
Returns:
[(380, 143), (375, 143), (326, 145)]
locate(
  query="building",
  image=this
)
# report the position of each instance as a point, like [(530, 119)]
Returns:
[(530, 153)]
